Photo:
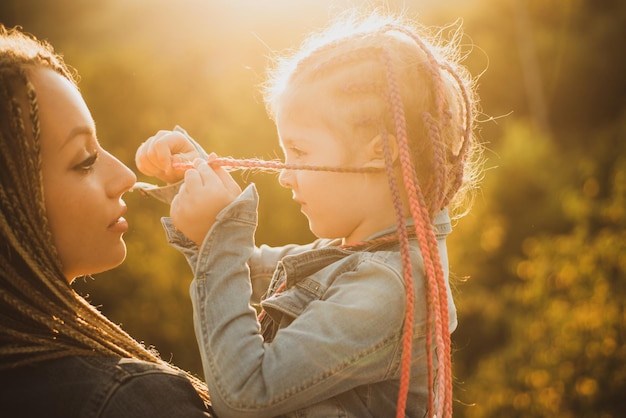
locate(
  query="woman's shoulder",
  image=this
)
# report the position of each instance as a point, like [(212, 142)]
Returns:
[(149, 389), (128, 367), (99, 387), (103, 368)]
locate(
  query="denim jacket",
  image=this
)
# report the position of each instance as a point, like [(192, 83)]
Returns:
[(338, 348), (98, 387)]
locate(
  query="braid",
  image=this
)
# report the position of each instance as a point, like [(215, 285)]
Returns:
[(41, 316), (403, 238), (437, 180)]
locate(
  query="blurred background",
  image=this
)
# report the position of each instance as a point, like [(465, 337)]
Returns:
[(539, 263)]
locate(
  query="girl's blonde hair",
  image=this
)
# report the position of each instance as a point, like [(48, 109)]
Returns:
[(41, 316), (385, 75), (350, 61)]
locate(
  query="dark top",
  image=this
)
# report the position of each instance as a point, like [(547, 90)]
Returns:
[(98, 387)]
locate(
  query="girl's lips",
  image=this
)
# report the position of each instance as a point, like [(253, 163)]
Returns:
[(296, 199)]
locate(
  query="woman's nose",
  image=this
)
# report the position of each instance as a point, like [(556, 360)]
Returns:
[(122, 178)]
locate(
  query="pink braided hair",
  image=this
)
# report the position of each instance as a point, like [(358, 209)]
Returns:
[(263, 165)]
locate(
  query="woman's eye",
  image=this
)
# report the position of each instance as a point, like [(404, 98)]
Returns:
[(88, 163)]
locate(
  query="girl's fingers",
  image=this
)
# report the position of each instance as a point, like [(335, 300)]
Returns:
[(201, 176), (213, 181), (156, 156), (140, 158), (184, 160), (144, 161), (193, 181), (227, 180)]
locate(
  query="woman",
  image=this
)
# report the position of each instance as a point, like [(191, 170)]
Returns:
[(61, 216)]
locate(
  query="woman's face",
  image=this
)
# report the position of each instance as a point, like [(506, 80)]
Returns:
[(83, 184)]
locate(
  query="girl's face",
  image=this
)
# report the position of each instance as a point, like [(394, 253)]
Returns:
[(83, 184), (351, 206)]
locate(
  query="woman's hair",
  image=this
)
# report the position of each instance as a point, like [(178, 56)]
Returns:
[(41, 316), (384, 75)]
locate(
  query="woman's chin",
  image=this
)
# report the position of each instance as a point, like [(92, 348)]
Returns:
[(100, 266)]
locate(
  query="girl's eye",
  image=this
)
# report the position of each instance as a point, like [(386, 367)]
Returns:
[(293, 152), (296, 152), (88, 163)]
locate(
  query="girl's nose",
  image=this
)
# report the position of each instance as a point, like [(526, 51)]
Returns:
[(285, 178)]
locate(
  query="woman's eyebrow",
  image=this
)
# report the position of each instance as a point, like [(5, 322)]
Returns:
[(77, 131)]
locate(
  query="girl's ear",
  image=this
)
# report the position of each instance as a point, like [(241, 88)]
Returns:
[(375, 151)]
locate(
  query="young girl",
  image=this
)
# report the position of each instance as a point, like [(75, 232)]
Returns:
[(61, 216), (376, 127)]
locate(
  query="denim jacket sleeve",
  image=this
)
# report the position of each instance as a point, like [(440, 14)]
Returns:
[(320, 355)]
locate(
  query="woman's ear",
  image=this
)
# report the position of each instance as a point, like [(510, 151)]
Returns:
[(375, 151)]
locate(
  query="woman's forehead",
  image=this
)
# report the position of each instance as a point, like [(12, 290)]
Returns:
[(62, 109)]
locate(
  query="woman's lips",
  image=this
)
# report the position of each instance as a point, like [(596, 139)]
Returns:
[(120, 224)]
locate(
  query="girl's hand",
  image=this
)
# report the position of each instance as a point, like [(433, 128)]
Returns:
[(206, 191), (156, 156)]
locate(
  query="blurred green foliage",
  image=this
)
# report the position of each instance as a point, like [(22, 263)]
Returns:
[(539, 262)]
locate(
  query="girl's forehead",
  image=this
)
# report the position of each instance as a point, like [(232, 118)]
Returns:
[(302, 96), (301, 108)]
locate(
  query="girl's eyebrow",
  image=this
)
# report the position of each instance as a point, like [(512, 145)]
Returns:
[(286, 140), (295, 140), (78, 131)]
